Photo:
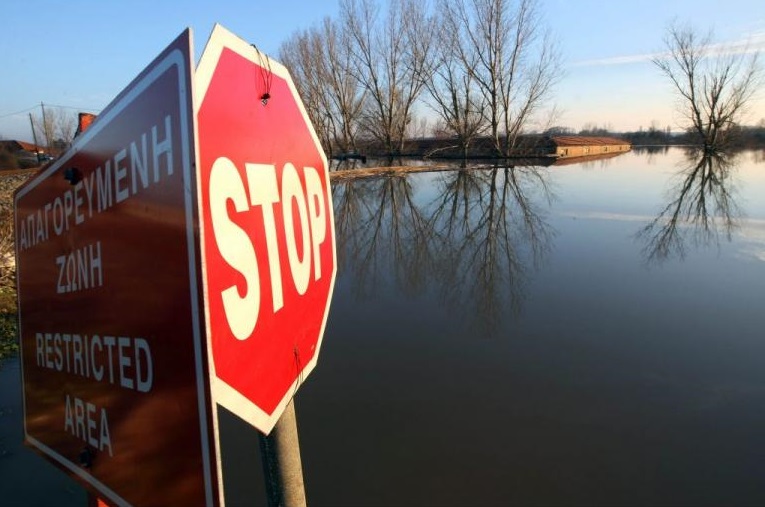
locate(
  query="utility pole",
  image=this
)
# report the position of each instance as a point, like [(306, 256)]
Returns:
[(45, 127), (34, 136)]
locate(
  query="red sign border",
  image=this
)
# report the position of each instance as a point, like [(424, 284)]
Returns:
[(179, 54)]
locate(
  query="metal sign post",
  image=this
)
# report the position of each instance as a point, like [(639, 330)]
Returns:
[(282, 468)]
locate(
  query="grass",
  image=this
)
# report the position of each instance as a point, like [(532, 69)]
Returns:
[(9, 332)]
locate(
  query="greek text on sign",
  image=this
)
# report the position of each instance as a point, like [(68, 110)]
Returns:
[(111, 327)]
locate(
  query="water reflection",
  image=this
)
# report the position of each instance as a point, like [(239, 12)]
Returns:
[(492, 234), (653, 154), (702, 208), (758, 156), (380, 228), (477, 241)]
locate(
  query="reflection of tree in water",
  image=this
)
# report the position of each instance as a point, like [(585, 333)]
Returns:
[(377, 219), (477, 242), (491, 234), (702, 207)]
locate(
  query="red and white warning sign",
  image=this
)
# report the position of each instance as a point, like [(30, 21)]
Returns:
[(181, 253), (268, 238)]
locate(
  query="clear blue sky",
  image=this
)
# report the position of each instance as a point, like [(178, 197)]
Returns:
[(80, 54)]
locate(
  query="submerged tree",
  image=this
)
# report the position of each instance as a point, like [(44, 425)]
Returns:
[(392, 61), (714, 83), (453, 91), (320, 62), (512, 59)]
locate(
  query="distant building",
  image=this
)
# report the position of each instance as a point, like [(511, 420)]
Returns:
[(585, 146), (16, 146), (22, 155), (526, 146)]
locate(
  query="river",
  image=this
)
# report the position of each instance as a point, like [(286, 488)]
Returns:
[(579, 334)]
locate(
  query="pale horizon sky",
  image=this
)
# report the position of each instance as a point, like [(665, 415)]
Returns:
[(81, 54)]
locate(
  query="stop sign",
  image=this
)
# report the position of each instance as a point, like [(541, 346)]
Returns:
[(267, 239)]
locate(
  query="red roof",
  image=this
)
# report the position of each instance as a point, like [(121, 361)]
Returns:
[(28, 146), (13, 145), (587, 141)]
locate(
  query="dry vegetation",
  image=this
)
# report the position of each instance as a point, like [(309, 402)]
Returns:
[(9, 181)]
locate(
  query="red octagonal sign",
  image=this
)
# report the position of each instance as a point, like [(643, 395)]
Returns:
[(268, 239)]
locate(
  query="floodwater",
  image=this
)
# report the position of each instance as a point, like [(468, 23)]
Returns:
[(587, 334)]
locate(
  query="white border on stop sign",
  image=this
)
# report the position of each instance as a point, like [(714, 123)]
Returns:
[(222, 393)]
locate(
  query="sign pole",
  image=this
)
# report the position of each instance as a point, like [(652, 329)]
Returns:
[(283, 471)]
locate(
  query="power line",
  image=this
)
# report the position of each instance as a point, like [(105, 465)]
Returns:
[(80, 108), (19, 112)]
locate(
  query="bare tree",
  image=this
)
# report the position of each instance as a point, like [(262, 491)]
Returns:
[(55, 126), (714, 84), (301, 54), (514, 61), (392, 62), (320, 61), (44, 126), (66, 125), (346, 96), (453, 91)]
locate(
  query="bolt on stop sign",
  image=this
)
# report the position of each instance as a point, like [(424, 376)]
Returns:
[(268, 238)]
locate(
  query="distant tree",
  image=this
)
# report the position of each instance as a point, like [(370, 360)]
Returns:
[(66, 125), (418, 128), (56, 124), (453, 92), (513, 60), (392, 61), (592, 129), (320, 62), (44, 126), (714, 84), (558, 130)]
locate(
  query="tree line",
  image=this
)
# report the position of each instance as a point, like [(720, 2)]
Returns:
[(483, 67), (736, 136)]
